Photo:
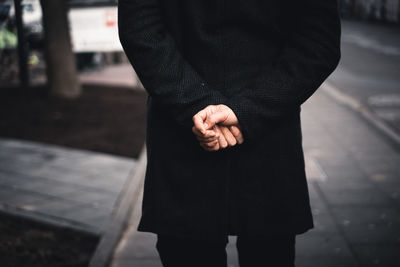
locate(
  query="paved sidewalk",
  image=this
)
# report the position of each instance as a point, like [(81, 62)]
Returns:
[(113, 75), (61, 185), (357, 205), (369, 69), (354, 182), (117, 75)]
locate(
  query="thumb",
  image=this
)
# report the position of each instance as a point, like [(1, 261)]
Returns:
[(214, 119)]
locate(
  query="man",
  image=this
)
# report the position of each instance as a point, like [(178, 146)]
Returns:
[(226, 80)]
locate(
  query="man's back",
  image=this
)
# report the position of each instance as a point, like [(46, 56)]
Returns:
[(261, 58), (229, 43)]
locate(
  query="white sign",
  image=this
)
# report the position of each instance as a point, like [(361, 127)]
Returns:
[(94, 29)]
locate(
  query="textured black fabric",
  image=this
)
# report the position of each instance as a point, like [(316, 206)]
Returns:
[(183, 252), (260, 251), (262, 58), (270, 251)]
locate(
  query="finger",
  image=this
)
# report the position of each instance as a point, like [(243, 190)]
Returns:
[(213, 119), (199, 119), (210, 144), (207, 134), (228, 136), (206, 140), (205, 147), (210, 149), (237, 133), (222, 141)]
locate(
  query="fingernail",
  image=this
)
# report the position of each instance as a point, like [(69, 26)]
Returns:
[(205, 125)]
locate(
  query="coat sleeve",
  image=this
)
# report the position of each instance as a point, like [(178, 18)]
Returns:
[(311, 52), (168, 78)]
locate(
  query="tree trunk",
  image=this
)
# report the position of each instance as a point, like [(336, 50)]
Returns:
[(22, 46), (60, 60)]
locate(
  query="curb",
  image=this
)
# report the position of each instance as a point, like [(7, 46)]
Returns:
[(121, 86), (117, 225), (357, 106), (49, 221)]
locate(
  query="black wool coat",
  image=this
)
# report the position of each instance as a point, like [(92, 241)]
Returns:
[(263, 59)]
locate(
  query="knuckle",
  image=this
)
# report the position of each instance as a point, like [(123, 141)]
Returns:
[(209, 144)]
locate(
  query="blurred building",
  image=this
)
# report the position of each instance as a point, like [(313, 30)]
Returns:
[(94, 32), (93, 29), (93, 25), (377, 10), (92, 3)]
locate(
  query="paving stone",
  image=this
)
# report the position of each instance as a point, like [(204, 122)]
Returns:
[(322, 250), (98, 223), (96, 164), (378, 255), (371, 167), (336, 184), (24, 147), (37, 185), (385, 178), (16, 179), (55, 190), (369, 224), (354, 196), (85, 213), (139, 263), (17, 165), (26, 154), (110, 185), (329, 146), (337, 160), (380, 153), (19, 199), (93, 198), (55, 207), (392, 190), (137, 245), (342, 173), (56, 174), (78, 178), (325, 262), (67, 175), (312, 192), (323, 223), (6, 193)]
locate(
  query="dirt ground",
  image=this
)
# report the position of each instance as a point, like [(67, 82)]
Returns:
[(26, 243), (110, 120)]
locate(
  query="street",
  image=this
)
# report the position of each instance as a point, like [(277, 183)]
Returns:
[(370, 68)]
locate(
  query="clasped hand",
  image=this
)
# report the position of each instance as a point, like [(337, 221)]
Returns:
[(217, 127)]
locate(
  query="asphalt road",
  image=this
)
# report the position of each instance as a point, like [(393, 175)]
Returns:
[(370, 68)]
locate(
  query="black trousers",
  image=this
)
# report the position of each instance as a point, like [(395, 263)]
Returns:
[(273, 251)]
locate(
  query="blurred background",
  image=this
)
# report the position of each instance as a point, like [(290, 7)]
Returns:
[(72, 132)]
